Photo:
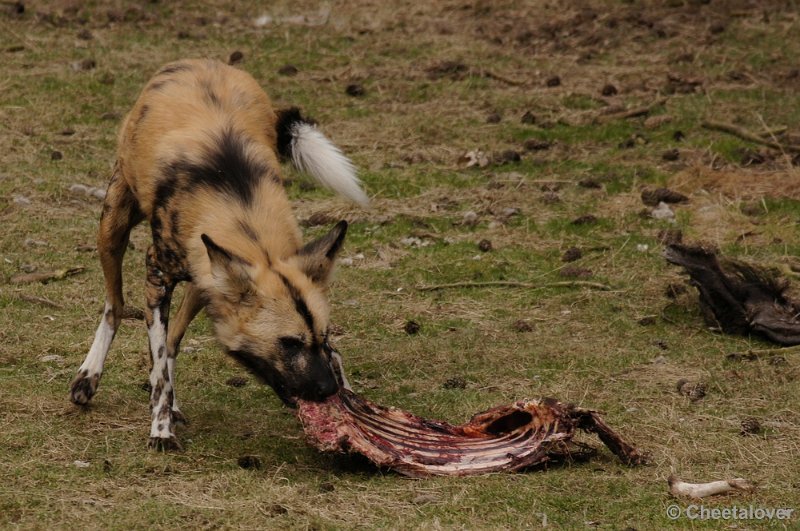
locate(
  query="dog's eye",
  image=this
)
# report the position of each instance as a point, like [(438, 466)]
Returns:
[(291, 345)]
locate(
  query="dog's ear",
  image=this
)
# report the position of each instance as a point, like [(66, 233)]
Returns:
[(316, 258), (230, 273)]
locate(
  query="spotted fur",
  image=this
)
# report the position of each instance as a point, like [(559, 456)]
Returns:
[(198, 158)]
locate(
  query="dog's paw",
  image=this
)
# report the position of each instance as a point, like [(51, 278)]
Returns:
[(160, 444), (83, 388)]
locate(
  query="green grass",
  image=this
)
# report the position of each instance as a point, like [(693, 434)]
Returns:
[(407, 135)]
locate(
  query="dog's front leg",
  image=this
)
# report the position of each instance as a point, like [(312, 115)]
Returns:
[(158, 293)]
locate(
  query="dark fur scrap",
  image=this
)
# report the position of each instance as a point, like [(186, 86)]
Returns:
[(739, 298)]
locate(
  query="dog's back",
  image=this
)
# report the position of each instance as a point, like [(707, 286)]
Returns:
[(181, 115)]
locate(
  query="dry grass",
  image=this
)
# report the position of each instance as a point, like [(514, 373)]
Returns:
[(408, 133)]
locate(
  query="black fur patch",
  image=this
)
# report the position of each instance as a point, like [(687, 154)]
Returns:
[(287, 119), (227, 168)]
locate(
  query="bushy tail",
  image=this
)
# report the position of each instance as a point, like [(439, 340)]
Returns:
[(311, 152)]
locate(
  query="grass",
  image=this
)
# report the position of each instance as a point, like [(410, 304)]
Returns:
[(64, 466)]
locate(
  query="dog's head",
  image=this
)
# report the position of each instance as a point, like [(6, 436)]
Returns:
[(273, 319)]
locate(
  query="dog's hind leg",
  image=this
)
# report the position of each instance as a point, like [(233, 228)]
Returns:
[(120, 214), (190, 306)]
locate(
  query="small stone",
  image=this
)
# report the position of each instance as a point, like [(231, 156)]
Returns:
[(288, 70), (494, 118), (694, 391), (608, 90), (750, 426), (30, 242), (355, 90), (509, 212), (586, 219), (67, 131), (755, 208), (81, 464), (533, 144), (647, 320), (522, 326), (662, 211), (572, 254), (589, 182), (56, 155), (485, 245), (469, 218), (671, 155), (249, 462), (456, 382), (85, 64), (575, 272), (553, 81), (236, 381), (412, 328), (235, 58), (528, 118), (507, 156), (550, 198), (51, 357), (20, 200)]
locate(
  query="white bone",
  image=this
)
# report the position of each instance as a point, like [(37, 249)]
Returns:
[(678, 487)]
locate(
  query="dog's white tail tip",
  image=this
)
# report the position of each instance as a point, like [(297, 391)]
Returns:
[(313, 153)]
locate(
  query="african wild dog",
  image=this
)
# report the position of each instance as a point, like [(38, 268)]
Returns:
[(198, 158)]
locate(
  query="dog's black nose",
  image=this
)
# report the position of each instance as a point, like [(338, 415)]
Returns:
[(328, 387)]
